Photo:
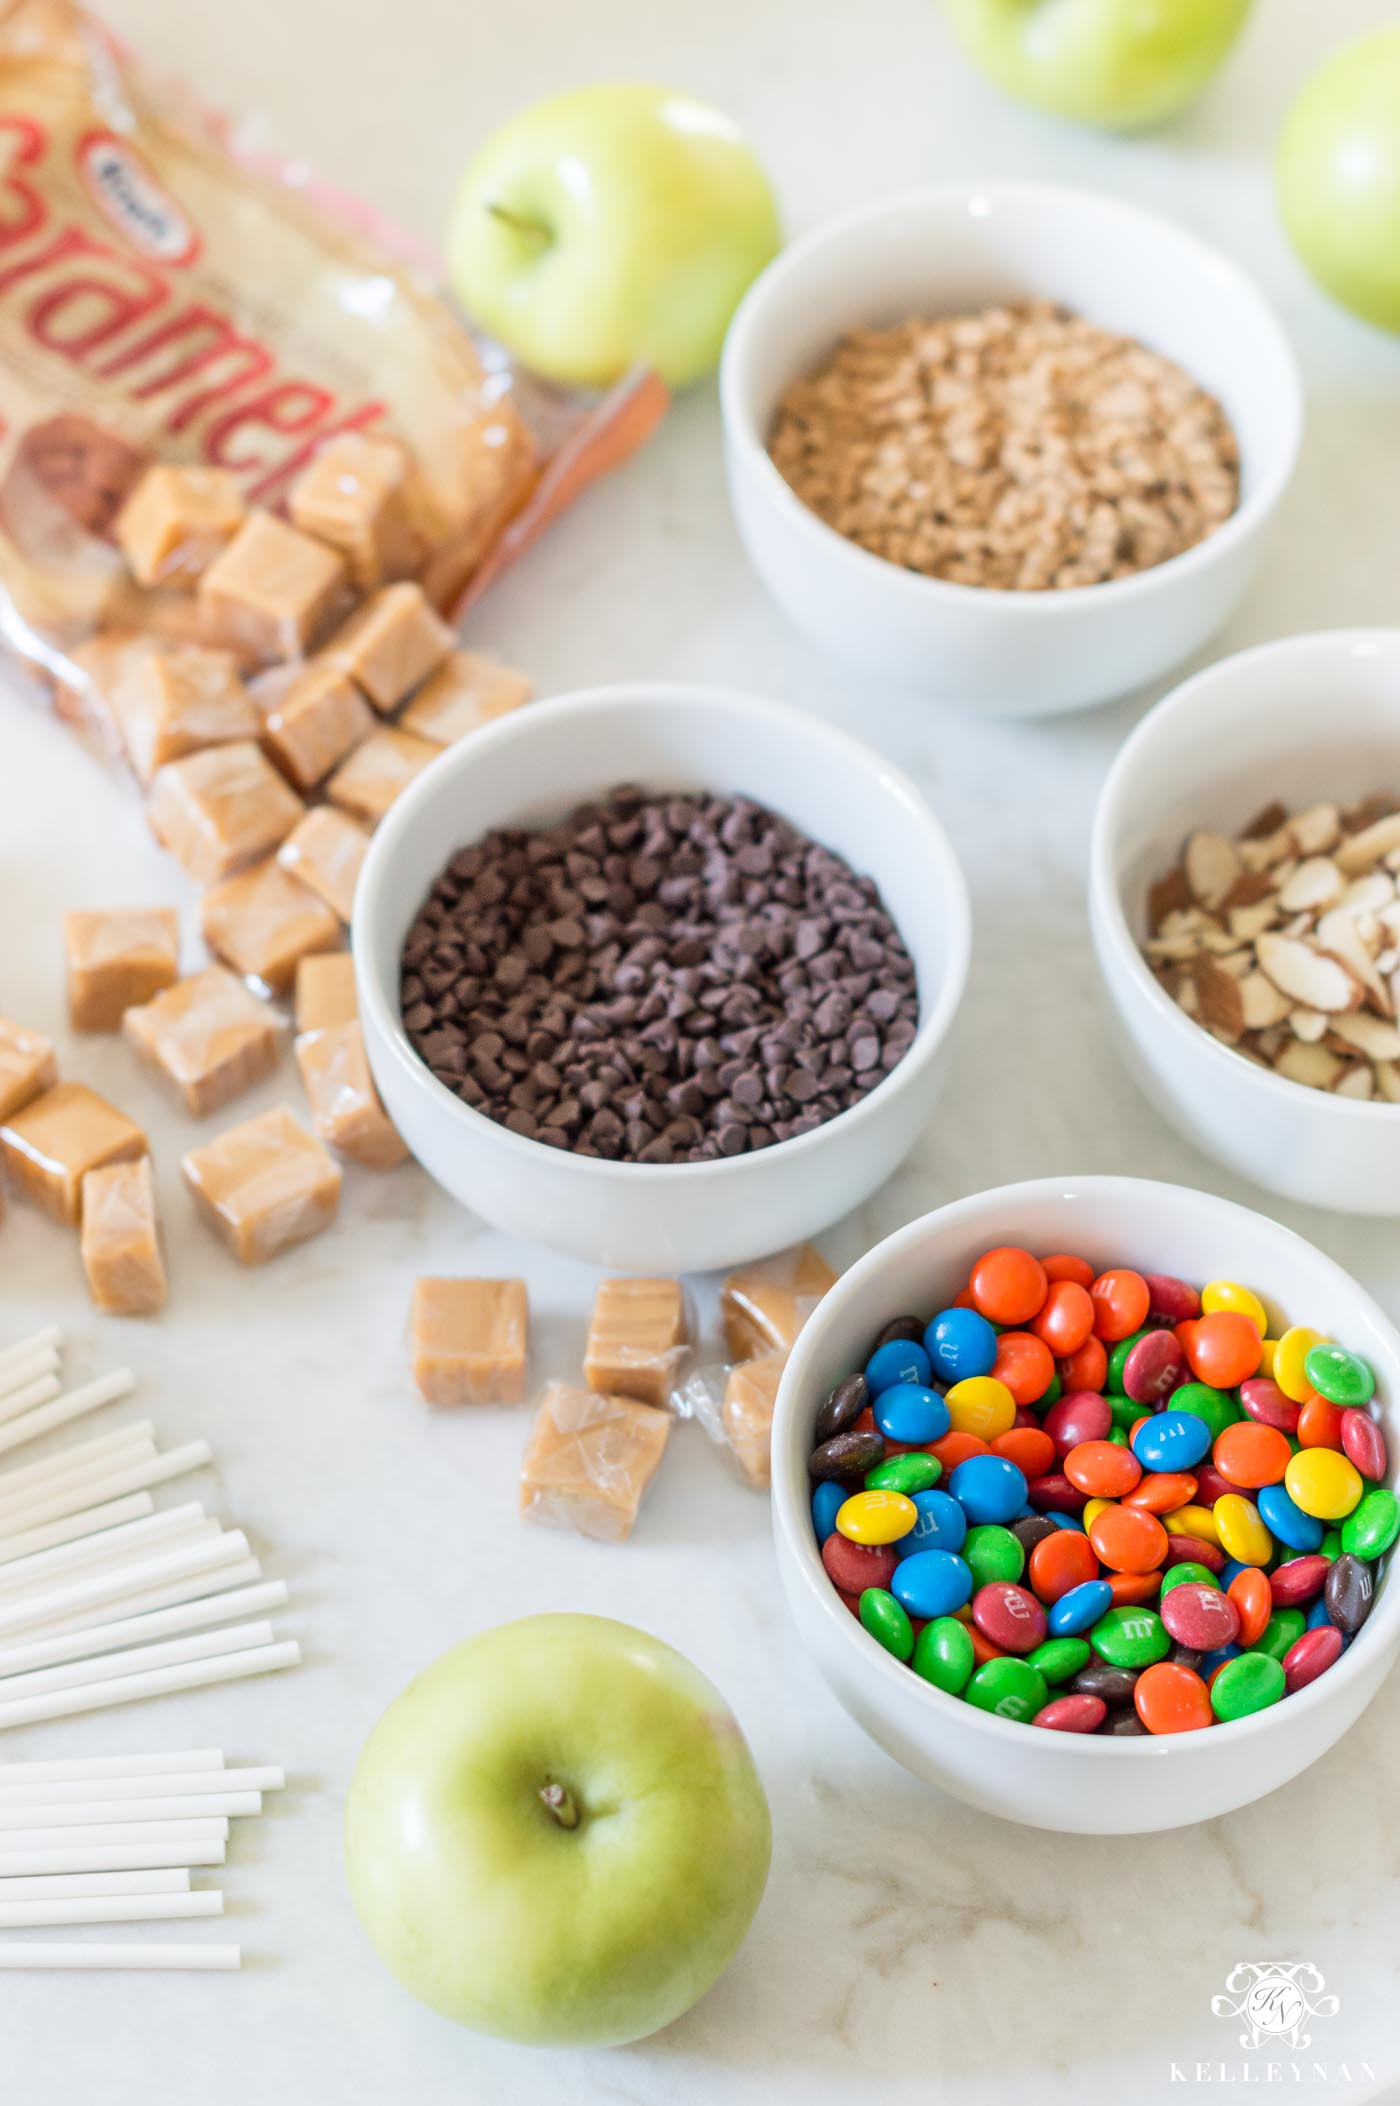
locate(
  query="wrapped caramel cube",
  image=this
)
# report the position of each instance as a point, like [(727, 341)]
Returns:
[(590, 1460), (326, 851), (51, 1144), (272, 590), (764, 1306), (470, 1339), (262, 922), (264, 1186), (636, 1339), (345, 1107), (209, 1036), (176, 700), (391, 644), (326, 992), (176, 521), (320, 718), (465, 693), (219, 810), (118, 957), (354, 496), (750, 1392), (121, 1239), (369, 781), (28, 1065)]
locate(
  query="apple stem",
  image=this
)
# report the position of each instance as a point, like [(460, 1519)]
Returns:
[(532, 230), (560, 1801)]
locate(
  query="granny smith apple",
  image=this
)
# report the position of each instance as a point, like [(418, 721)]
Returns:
[(1118, 64), (556, 1834), (1339, 177), (614, 226)]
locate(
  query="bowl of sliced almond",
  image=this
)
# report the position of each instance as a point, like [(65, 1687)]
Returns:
[(1245, 906)]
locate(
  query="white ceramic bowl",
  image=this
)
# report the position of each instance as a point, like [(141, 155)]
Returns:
[(1308, 718), (533, 767), (1074, 1782), (950, 251)]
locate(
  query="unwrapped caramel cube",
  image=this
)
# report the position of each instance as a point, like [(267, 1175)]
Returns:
[(51, 1144), (326, 992), (118, 957), (262, 922), (121, 1240), (272, 590), (176, 521), (354, 496), (264, 1185), (590, 1460), (219, 810), (321, 717), (209, 1036), (764, 1306), (465, 693), (376, 772), (326, 851), (173, 701), (345, 1107), (636, 1339), (750, 1393), (28, 1066), (470, 1339), (391, 644)]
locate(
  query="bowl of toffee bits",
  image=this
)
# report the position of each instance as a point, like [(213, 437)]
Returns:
[(1011, 444), (660, 976)]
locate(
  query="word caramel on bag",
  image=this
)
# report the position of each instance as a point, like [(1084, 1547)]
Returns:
[(226, 413)]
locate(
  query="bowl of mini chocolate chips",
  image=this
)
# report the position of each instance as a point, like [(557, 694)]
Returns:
[(659, 975)]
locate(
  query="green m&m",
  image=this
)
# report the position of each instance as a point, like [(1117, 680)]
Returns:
[(1342, 1377), (943, 1654), (905, 1473), (1059, 1658), (1372, 1525), (1251, 1682), (1283, 1629), (1009, 1687), (993, 1553), (1198, 1575), (1130, 1636), (887, 1622)]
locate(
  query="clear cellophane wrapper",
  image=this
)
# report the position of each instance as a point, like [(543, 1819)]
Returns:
[(590, 1460), (169, 298), (639, 1338), (763, 1307), (120, 1239), (345, 1107)]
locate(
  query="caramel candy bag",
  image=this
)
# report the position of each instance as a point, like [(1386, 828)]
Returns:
[(167, 304)]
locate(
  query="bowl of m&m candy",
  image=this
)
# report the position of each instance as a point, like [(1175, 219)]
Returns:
[(1083, 1493)]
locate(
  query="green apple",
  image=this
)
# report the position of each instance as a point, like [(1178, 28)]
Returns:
[(1339, 177), (612, 227), (1118, 64), (556, 1834)]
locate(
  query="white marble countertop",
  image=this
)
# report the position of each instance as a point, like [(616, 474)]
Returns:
[(905, 1945)]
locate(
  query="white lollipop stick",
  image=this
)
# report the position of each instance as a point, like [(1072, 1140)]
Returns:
[(44, 1362), (115, 1538), (73, 1404), (37, 1342), (16, 1821), (88, 1856), (99, 1452), (36, 1390), (111, 1908), (161, 1681), (179, 1785), (68, 1769), (112, 1835), (135, 1630), (41, 1957), (74, 1886), (74, 1528), (86, 1477), (40, 1606), (76, 1674), (139, 1477), (191, 1589)]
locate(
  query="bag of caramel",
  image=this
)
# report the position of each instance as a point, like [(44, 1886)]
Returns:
[(230, 414)]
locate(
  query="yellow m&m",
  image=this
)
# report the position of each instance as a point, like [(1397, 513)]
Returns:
[(982, 1405), (1242, 1533), (1197, 1521), (1293, 1349), (1228, 1294), (1323, 1483), (876, 1517)]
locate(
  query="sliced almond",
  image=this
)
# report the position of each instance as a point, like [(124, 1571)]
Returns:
[(1316, 830), (1356, 1081), (1262, 1004), (1368, 1034), (1359, 851), (1167, 895), (1264, 823), (1218, 996), (1311, 978), (1313, 1066), (1249, 888), (1265, 850), (1313, 886), (1219, 942), (1167, 950), (1212, 865), (1392, 861), (1369, 894), (1388, 1081), (1248, 922), (1338, 933), (1308, 1024)]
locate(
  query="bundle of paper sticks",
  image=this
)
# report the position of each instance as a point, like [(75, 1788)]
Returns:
[(105, 1600)]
